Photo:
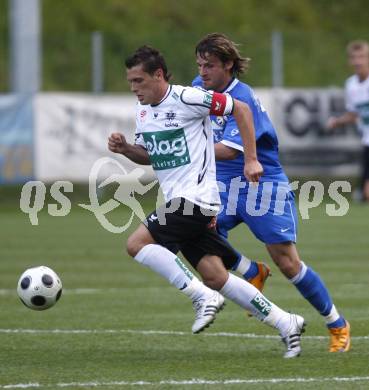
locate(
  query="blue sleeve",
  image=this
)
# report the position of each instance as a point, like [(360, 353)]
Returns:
[(197, 82), (231, 134)]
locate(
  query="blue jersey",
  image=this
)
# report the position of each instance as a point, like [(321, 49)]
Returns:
[(226, 131)]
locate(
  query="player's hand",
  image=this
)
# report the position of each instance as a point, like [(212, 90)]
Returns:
[(117, 143), (213, 223), (253, 170), (331, 123)]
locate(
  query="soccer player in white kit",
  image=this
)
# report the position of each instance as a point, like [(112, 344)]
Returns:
[(174, 135), (357, 103)]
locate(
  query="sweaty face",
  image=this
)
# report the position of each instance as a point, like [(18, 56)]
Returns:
[(143, 85), (359, 60), (214, 73)]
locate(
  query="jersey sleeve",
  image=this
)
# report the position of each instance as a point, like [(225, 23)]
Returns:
[(203, 103), (197, 81), (231, 135)]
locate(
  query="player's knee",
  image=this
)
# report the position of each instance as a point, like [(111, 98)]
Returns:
[(212, 272), (137, 240), (215, 281), (286, 257), (288, 266), (133, 245), (214, 284)]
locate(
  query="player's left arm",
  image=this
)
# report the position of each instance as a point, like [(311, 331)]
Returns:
[(242, 113)]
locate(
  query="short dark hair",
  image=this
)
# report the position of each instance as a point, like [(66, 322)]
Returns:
[(226, 50), (150, 58), (357, 45)]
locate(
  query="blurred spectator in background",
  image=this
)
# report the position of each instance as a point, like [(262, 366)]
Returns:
[(357, 103)]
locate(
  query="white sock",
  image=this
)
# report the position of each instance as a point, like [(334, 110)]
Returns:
[(332, 316), (197, 290), (168, 265), (251, 299), (298, 277), (243, 265)]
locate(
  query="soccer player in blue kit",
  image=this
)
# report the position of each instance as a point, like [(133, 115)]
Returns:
[(268, 209)]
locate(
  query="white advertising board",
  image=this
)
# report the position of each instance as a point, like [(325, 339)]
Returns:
[(71, 133)]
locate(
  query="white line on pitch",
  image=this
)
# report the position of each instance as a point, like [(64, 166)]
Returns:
[(10, 291), (194, 381), (158, 332)]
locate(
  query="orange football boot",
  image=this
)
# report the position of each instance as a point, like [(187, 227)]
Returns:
[(340, 339), (260, 278)]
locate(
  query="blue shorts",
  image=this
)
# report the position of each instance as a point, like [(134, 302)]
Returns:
[(268, 209)]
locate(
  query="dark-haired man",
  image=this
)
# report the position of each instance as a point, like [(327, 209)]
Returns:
[(174, 134), (268, 210)]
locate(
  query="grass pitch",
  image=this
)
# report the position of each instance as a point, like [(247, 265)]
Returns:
[(118, 325)]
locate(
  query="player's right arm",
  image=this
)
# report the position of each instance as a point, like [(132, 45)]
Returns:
[(350, 116), (118, 144), (345, 119)]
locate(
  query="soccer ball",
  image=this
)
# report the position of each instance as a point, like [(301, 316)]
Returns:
[(39, 288)]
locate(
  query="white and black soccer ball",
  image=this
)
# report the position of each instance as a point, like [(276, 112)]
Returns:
[(39, 288)]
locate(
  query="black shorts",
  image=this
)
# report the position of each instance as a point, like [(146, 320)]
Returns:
[(180, 225)]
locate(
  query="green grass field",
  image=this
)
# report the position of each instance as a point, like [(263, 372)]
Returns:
[(118, 325)]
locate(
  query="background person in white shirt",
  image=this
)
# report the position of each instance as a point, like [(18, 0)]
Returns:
[(357, 103)]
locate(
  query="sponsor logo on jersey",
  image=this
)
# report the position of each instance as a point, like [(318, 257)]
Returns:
[(175, 96), (220, 120), (143, 115), (208, 98), (262, 305), (167, 149), (170, 116)]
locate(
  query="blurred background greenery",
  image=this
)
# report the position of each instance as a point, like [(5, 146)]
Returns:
[(315, 33)]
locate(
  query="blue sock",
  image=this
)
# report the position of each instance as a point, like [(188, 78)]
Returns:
[(340, 323), (251, 272), (314, 290)]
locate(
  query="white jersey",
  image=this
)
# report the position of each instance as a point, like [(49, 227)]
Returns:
[(357, 100), (178, 137)]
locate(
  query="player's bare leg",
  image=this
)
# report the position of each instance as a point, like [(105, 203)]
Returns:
[(313, 289), (366, 190), (285, 256)]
